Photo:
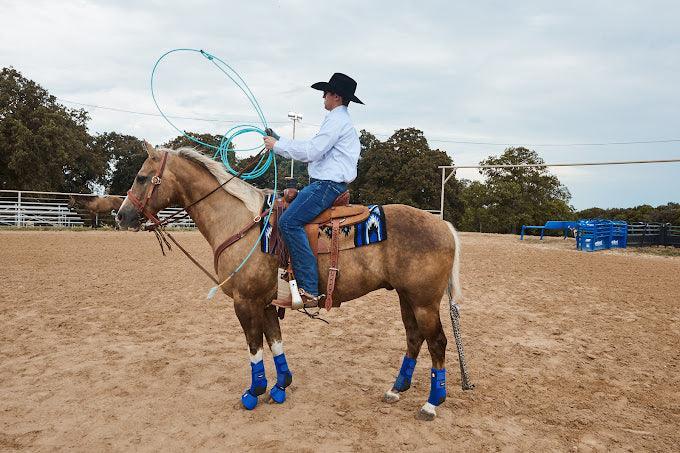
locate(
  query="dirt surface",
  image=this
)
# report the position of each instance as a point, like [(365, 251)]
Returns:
[(107, 345)]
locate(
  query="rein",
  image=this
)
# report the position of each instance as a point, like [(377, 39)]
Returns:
[(158, 226)]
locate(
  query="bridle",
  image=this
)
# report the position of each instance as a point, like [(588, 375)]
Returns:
[(158, 225), (140, 205)]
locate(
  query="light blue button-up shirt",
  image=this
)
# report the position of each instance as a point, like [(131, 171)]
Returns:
[(332, 153)]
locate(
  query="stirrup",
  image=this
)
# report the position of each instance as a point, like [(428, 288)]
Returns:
[(308, 301)]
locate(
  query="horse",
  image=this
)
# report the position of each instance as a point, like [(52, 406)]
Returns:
[(96, 205), (420, 259)]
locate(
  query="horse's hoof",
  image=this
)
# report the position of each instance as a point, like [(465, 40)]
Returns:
[(427, 412), (391, 397), (249, 400), (278, 394)]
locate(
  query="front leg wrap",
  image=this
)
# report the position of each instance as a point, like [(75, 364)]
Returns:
[(257, 387), (403, 381), (283, 379)]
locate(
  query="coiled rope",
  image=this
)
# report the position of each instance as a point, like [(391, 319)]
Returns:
[(226, 143)]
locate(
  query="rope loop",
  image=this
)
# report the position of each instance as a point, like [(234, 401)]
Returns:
[(226, 145)]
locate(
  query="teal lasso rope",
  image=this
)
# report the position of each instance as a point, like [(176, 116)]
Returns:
[(221, 151)]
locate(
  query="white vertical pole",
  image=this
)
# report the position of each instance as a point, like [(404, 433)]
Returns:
[(19, 208), (441, 205), (295, 117), (292, 161)]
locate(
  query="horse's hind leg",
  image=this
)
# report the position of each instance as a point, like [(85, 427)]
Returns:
[(250, 314), (414, 341), (272, 332), (430, 326)]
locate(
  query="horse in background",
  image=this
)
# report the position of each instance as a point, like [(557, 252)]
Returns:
[(96, 205)]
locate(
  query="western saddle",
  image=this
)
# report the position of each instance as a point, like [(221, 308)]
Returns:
[(340, 214)]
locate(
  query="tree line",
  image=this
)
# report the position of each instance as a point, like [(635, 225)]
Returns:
[(47, 146)]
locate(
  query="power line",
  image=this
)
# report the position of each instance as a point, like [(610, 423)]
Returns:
[(573, 164), (635, 142), (436, 140), (465, 142), (115, 109)]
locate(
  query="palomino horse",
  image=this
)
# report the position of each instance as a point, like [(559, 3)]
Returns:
[(419, 260), (95, 205)]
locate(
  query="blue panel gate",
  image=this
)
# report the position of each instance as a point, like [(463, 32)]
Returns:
[(601, 234)]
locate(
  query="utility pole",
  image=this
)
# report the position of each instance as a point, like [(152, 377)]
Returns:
[(295, 117)]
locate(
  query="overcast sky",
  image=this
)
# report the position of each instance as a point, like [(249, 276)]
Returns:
[(529, 72)]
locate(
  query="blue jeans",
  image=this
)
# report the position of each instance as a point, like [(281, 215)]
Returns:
[(309, 203)]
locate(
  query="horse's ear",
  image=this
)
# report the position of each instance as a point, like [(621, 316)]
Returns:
[(150, 150)]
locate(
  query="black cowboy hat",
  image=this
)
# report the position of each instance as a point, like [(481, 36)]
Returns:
[(340, 84)]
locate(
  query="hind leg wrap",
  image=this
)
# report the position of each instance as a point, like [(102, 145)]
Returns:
[(283, 379), (257, 387), (437, 394), (403, 381), (437, 386)]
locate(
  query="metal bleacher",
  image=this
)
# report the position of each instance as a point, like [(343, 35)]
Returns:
[(20, 208), (27, 209)]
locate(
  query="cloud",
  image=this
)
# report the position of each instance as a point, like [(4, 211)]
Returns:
[(528, 72)]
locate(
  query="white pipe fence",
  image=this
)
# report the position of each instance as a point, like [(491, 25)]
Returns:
[(24, 208), (453, 168)]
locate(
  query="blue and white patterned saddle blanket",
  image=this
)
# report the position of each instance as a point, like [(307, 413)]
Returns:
[(370, 231)]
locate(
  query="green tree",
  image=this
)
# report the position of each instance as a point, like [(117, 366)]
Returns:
[(266, 181), (43, 145), (476, 214), (668, 213), (182, 141), (125, 155), (403, 169), (517, 196)]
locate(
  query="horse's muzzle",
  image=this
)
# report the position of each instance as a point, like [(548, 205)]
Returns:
[(128, 217)]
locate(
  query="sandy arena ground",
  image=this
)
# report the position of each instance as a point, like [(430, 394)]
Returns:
[(107, 345)]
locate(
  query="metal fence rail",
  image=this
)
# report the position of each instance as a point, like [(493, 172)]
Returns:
[(23, 208), (649, 234)]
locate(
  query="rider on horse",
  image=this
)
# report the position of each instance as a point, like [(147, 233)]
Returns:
[(332, 155)]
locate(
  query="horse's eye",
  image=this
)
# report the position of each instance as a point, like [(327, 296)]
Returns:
[(141, 179)]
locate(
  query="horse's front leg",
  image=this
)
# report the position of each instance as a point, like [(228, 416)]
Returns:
[(284, 377), (250, 314)]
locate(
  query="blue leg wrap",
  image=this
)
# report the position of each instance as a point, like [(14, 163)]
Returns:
[(283, 379), (283, 375), (257, 387), (403, 381), (437, 386)]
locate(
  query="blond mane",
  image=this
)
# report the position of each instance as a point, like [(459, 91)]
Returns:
[(251, 196)]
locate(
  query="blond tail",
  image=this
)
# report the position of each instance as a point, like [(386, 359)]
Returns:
[(454, 289)]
